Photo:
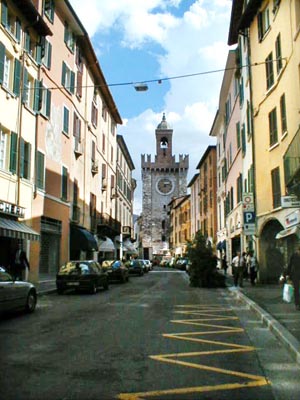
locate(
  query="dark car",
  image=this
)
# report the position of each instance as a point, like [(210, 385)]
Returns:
[(16, 294), (116, 270), (136, 267), (86, 275), (182, 264)]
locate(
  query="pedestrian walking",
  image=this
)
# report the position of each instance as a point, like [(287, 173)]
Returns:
[(238, 265), (20, 264), (252, 265), (224, 264), (293, 272)]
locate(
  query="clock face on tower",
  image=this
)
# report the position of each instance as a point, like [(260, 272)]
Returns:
[(164, 186)]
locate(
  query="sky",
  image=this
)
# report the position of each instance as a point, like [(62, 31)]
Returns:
[(152, 40)]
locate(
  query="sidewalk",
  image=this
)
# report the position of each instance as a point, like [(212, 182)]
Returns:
[(281, 318)]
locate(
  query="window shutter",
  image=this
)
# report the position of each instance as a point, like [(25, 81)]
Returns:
[(22, 157), (38, 57), (48, 103), (28, 160), (66, 34), (4, 14), (49, 55), (18, 30), (79, 84), (2, 57), (36, 102), (72, 82), (17, 77), (27, 42), (13, 153), (25, 86), (40, 170), (63, 76)]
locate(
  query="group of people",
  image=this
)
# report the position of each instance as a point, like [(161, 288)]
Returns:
[(243, 264)]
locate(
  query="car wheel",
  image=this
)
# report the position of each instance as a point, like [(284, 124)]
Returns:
[(31, 302), (93, 289)]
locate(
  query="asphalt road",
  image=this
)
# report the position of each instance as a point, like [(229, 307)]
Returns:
[(151, 338)]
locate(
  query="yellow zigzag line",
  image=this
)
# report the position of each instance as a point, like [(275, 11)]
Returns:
[(177, 358)]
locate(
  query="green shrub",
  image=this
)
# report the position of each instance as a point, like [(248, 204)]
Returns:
[(203, 269)]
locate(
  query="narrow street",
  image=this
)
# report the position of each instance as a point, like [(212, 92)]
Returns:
[(151, 338)]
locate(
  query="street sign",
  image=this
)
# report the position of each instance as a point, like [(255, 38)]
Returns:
[(248, 202), (249, 229), (249, 217)]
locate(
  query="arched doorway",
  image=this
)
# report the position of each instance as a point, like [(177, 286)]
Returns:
[(271, 258)]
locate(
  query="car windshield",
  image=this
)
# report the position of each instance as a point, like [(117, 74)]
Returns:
[(75, 267), (5, 277)]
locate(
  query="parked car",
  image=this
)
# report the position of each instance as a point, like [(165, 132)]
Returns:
[(182, 264), (15, 294), (116, 270), (149, 264), (136, 267), (87, 275), (145, 265)]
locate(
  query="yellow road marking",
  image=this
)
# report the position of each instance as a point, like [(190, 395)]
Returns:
[(177, 358)]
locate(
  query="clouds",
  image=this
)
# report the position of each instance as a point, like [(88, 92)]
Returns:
[(180, 37)]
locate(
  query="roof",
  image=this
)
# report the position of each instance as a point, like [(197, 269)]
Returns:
[(123, 146), (208, 150), (193, 180), (32, 15)]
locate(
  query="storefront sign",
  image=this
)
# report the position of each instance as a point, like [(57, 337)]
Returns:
[(292, 219), (289, 201), (11, 209)]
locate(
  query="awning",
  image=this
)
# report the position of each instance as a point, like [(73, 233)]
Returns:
[(293, 230), (128, 247), (83, 239), (17, 230), (106, 245)]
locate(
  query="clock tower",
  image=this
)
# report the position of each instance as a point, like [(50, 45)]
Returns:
[(162, 180)]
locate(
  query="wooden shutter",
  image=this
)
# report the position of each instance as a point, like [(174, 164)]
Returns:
[(25, 86), (17, 77), (63, 76), (2, 58), (13, 152), (4, 14)]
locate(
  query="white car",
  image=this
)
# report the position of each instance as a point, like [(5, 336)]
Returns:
[(149, 264)]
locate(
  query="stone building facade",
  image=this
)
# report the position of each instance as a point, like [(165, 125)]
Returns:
[(162, 180)]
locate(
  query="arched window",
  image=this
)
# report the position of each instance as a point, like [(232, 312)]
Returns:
[(164, 143)]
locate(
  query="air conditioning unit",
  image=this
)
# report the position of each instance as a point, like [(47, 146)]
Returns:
[(114, 193), (78, 149)]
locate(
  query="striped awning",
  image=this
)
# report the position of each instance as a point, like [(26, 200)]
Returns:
[(17, 230)]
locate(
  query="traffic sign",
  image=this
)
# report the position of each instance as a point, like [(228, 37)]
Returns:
[(248, 202), (249, 217), (249, 229)]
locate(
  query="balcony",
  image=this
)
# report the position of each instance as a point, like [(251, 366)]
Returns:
[(291, 161), (78, 148), (108, 226)]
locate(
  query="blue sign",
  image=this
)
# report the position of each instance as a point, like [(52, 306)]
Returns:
[(249, 217)]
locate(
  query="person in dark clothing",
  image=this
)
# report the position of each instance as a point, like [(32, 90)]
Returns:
[(293, 272), (20, 264)]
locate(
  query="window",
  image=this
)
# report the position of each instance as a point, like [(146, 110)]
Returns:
[(93, 202), (28, 90), (239, 188), (103, 143), (238, 135), (25, 159), (94, 114), (77, 131), (243, 136), (263, 21), (104, 112), (276, 192), (45, 101), (49, 9), (69, 37), (112, 154), (10, 71), (3, 147), (227, 110), (269, 71), (273, 127), (113, 128), (64, 183), (10, 22), (68, 78), (66, 114), (46, 53), (40, 173), (283, 114), (251, 179), (278, 54), (93, 152), (249, 119), (241, 91)]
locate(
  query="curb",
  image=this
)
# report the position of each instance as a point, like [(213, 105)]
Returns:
[(287, 339)]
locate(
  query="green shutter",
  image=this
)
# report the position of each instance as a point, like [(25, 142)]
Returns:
[(243, 139), (48, 104), (25, 86), (22, 157), (63, 76), (28, 159), (4, 14), (37, 93), (38, 57), (27, 42), (13, 153), (40, 170), (17, 77), (49, 55), (2, 58), (18, 30), (72, 83), (66, 34)]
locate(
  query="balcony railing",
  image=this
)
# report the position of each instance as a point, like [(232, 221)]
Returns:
[(107, 225)]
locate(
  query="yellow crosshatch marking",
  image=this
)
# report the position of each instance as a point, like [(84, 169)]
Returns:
[(208, 313)]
